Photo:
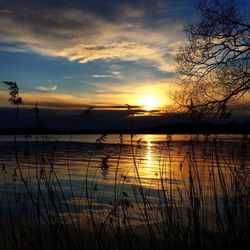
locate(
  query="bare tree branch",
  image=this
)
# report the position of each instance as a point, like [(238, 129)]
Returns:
[(214, 64)]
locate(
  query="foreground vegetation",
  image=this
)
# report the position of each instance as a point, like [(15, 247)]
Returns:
[(197, 201)]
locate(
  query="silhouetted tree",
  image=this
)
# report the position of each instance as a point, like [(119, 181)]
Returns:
[(213, 65)]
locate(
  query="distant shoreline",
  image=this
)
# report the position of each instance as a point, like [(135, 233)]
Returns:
[(180, 128)]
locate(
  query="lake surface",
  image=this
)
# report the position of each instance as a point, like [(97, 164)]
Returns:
[(80, 171)]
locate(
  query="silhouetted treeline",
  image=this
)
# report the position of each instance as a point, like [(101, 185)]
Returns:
[(176, 128)]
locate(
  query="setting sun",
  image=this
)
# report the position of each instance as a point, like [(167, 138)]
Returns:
[(149, 102)]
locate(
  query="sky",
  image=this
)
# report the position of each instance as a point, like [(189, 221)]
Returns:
[(73, 53), (69, 54)]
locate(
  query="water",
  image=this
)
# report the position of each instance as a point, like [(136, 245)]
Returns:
[(105, 169)]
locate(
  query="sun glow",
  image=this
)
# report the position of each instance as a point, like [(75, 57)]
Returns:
[(149, 102)]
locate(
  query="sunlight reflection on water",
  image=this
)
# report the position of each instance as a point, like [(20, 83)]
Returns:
[(153, 161)]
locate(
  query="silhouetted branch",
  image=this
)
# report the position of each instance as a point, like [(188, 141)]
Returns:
[(214, 65)]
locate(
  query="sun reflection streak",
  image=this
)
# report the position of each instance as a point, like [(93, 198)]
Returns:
[(149, 155), (149, 167)]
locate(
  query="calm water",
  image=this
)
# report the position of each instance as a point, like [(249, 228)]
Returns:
[(105, 168)]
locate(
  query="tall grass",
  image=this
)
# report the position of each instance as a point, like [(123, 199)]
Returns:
[(196, 200), (193, 201)]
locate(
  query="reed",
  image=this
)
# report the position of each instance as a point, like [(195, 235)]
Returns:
[(196, 201)]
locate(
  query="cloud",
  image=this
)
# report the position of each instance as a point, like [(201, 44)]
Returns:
[(6, 11), (47, 88), (84, 36), (123, 50), (102, 76), (106, 94), (13, 49)]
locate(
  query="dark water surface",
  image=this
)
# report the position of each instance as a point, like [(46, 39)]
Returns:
[(108, 168)]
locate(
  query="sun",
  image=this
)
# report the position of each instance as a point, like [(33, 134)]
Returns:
[(149, 102)]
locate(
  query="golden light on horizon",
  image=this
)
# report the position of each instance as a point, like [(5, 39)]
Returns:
[(149, 102), (150, 98)]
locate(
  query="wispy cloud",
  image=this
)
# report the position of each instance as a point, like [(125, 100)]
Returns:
[(102, 76), (13, 49), (85, 36), (47, 88), (5, 11), (123, 50), (111, 73)]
